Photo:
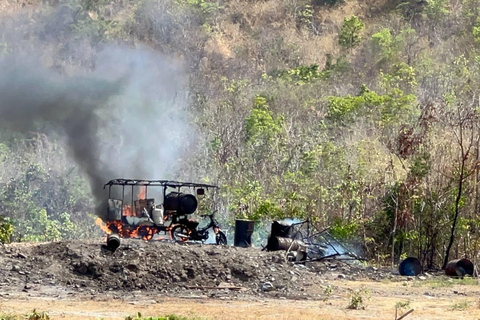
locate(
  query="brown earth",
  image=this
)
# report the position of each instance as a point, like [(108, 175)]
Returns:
[(83, 280)]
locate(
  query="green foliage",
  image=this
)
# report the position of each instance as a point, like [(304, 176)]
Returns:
[(305, 15), (384, 45), (35, 315), (421, 165), (358, 298), (389, 48), (327, 292), (261, 126), (6, 230), (393, 107), (476, 32), (412, 8), (343, 230), (299, 75), (402, 76), (266, 209), (436, 10), (204, 6), (350, 32), (302, 75)]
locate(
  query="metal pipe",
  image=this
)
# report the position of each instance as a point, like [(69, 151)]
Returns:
[(113, 241)]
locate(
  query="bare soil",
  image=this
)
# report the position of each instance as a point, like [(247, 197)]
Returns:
[(84, 280)]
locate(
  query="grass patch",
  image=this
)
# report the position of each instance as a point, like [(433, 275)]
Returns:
[(35, 315), (444, 281), (139, 316), (462, 305), (358, 297)]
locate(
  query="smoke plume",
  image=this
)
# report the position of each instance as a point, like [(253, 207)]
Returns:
[(123, 117)]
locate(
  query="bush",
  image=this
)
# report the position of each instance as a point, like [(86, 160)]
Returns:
[(6, 230)]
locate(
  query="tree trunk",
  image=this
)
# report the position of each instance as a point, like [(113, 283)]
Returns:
[(457, 211)]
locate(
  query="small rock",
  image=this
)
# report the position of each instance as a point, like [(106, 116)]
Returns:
[(341, 276), (21, 255), (267, 286)]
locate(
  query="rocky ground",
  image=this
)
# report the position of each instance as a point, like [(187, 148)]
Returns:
[(84, 280), (169, 268)]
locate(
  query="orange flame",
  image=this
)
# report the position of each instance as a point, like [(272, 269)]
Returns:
[(127, 231)]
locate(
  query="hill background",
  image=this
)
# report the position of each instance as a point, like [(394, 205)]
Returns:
[(360, 115)]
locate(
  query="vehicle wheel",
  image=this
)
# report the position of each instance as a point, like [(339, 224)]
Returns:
[(180, 233), (146, 233), (221, 238)]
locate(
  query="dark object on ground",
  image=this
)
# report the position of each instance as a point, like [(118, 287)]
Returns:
[(411, 266), (243, 233), (113, 241), (279, 229), (459, 268)]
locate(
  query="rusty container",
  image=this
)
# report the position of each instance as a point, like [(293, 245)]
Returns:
[(281, 243), (459, 268), (411, 266)]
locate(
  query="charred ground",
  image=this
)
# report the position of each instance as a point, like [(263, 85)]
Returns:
[(168, 268)]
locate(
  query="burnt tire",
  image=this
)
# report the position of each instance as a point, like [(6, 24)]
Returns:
[(221, 238), (180, 233)]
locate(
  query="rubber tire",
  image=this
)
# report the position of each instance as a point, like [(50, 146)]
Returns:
[(221, 238), (180, 229)]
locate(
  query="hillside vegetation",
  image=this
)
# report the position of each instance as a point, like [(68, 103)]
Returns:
[(360, 115)]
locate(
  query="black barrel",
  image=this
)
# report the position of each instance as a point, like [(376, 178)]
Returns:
[(279, 229), (459, 268), (182, 203), (243, 233), (411, 266)]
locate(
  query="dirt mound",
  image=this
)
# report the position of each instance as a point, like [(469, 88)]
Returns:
[(167, 268)]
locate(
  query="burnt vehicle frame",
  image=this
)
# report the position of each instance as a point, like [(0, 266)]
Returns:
[(146, 217)]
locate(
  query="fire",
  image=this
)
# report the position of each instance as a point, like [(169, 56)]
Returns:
[(126, 230), (142, 194), (99, 222)]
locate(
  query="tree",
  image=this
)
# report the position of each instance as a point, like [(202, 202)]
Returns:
[(349, 35), (463, 121)]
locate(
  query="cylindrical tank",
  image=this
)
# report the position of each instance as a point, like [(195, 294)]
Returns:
[(281, 243), (411, 266), (459, 268), (243, 233), (281, 229), (182, 203), (113, 241)]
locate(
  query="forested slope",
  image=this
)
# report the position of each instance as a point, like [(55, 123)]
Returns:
[(362, 115)]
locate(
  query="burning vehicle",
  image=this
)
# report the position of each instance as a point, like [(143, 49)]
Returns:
[(136, 211)]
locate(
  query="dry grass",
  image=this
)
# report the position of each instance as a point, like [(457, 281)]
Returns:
[(440, 303)]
